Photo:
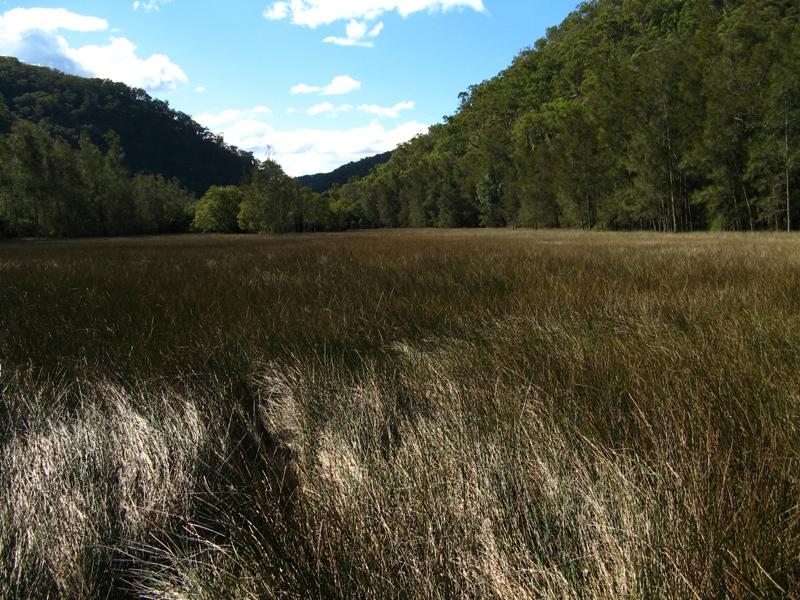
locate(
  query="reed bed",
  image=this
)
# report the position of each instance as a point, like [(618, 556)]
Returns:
[(404, 414)]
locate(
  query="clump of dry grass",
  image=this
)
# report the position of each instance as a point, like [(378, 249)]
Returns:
[(404, 414), (79, 484)]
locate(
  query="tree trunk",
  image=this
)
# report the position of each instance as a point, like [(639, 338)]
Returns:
[(669, 162), (786, 165), (749, 209), (588, 210), (672, 186)]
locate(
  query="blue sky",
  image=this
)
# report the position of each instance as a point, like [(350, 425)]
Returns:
[(311, 83)]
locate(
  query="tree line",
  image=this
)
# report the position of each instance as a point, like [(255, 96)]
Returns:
[(51, 188), (671, 115), (158, 140)]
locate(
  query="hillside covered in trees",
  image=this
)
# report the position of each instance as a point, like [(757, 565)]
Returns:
[(157, 140), (49, 188), (670, 115), (652, 114), (322, 182), (89, 157)]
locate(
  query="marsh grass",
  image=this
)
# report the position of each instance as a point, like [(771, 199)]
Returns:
[(401, 414)]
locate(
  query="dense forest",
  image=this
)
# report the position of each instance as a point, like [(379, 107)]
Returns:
[(50, 188), (89, 157), (157, 139), (672, 115), (650, 114)]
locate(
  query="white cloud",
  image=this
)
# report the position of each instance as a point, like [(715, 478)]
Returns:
[(313, 13), (34, 36), (118, 60), (357, 35), (318, 109), (304, 151), (149, 5), (216, 120), (303, 88), (17, 22), (200, 89), (342, 84), (314, 151), (391, 112), (278, 11), (329, 109)]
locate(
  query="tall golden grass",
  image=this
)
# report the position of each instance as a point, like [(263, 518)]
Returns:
[(406, 414)]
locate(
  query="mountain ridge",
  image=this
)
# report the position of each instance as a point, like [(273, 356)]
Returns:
[(157, 139), (357, 169)]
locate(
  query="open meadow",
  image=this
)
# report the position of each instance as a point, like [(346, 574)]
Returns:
[(401, 414)]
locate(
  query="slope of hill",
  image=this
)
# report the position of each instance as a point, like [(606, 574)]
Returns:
[(156, 139), (648, 114), (322, 182)]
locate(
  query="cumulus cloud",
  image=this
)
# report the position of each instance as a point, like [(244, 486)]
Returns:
[(342, 84), (309, 150), (278, 11), (388, 112), (304, 88), (15, 23), (215, 120), (329, 109), (118, 60), (358, 34), (34, 36), (149, 5), (313, 13)]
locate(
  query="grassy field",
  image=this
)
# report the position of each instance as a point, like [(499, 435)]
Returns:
[(424, 414)]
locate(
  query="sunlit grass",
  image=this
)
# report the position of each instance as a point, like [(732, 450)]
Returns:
[(486, 414)]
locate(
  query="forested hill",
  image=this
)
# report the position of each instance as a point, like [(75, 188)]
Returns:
[(659, 114), (156, 139), (322, 182)]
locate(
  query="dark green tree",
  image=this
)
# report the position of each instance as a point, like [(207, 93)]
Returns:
[(218, 210), (272, 203)]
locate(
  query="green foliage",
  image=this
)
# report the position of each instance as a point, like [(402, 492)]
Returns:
[(218, 210), (665, 115), (47, 188), (273, 202), (157, 139), (6, 118), (323, 182)]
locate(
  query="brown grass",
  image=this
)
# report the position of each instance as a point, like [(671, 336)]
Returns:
[(427, 414)]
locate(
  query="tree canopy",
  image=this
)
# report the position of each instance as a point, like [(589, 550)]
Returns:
[(670, 115), (660, 114), (157, 139), (218, 210), (49, 188)]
